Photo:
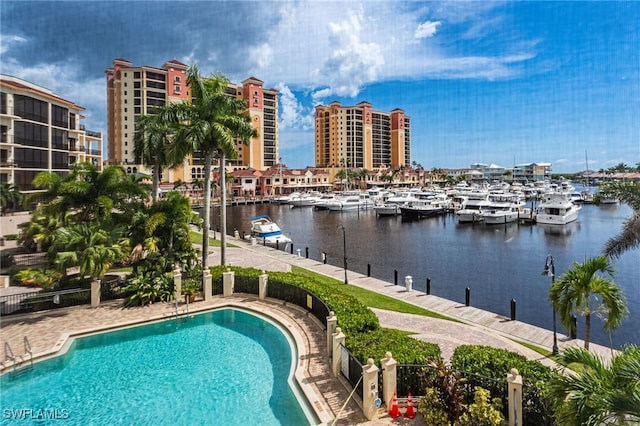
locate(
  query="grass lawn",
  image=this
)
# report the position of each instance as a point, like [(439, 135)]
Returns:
[(196, 238), (369, 298)]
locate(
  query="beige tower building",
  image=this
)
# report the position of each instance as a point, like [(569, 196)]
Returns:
[(136, 91), (360, 137)]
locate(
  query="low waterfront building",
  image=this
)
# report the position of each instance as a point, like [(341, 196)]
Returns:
[(41, 132)]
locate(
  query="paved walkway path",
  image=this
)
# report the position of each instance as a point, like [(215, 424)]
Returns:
[(477, 326)]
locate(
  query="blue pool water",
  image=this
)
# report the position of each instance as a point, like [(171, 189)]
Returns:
[(224, 367)]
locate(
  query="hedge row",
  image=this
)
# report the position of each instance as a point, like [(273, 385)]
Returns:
[(364, 336)]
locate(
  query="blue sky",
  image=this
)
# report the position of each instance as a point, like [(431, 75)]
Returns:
[(494, 82)]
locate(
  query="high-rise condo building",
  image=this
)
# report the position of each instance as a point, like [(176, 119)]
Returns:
[(136, 91), (41, 132), (359, 137)]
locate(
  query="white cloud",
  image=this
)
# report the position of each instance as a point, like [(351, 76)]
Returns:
[(427, 29), (293, 115), (9, 41)]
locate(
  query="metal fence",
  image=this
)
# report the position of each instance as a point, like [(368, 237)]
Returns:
[(409, 379), (351, 369), (44, 300), (113, 288)]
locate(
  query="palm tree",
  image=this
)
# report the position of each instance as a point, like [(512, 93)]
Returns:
[(10, 195), (629, 238), (87, 193), (577, 290), (213, 122), (599, 393), (197, 185), (90, 247), (153, 135)]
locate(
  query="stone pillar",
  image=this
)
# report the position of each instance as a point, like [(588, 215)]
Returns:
[(514, 386), (336, 360), (389, 378), (177, 282), (332, 322), (370, 389), (207, 288), (228, 282), (95, 293), (263, 279)]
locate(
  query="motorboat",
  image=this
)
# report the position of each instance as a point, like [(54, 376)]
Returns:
[(433, 205), (360, 201), (266, 231), (303, 199), (503, 208), (475, 203), (391, 205), (323, 201), (557, 208)]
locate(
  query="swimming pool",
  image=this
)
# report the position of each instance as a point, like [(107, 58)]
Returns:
[(226, 367)]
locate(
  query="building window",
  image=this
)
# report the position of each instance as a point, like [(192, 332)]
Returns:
[(177, 89)]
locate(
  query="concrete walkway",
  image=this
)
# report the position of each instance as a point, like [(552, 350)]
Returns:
[(476, 325)]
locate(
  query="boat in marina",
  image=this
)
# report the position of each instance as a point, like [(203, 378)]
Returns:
[(304, 199), (475, 203), (391, 205), (429, 206), (557, 208), (266, 231), (504, 208), (345, 202)]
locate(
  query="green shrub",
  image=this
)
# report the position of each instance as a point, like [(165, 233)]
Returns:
[(149, 286), (496, 363), (6, 259), (483, 412), (11, 237), (404, 348)]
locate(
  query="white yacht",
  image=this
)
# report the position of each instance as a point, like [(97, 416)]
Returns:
[(474, 205), (304, 199), (425, 206), (360, 201), (557, 208), (503, 208), (391, 205)]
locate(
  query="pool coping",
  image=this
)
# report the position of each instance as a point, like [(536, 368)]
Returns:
[(270, 308)]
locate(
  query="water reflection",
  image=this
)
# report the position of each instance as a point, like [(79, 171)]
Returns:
[(497, 262)]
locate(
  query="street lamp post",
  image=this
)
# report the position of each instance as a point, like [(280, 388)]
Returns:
[(344, 251), (550, 271)]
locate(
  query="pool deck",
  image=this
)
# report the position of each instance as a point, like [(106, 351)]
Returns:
[(48, 331)]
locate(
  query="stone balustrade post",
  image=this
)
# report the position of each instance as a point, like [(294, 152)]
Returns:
[(263, 280), (336, 359), (389, 378), (514, 385), (228, 282), (207, 288), (95, 293), (332, 322), (369, 389), (177, 282)]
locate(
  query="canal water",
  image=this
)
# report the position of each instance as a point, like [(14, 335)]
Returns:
[(497, 263)]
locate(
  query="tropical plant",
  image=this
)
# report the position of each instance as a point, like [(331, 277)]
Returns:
[(445, 383), (45, 279), (214, 122), (152, 137), (598, 392), (629, 238), (148, 286), (89, 247), (10, 196), (482, 412), (88, 194), (578, 289)]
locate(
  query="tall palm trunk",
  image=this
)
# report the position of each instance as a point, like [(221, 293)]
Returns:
[(156, 179), (587, 330), (207, 210), (223, 211)]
